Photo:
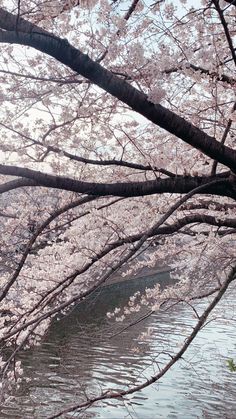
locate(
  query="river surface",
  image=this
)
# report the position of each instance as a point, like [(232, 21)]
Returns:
[(79, 356)]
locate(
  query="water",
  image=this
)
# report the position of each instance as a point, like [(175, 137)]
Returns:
[(80, 357)]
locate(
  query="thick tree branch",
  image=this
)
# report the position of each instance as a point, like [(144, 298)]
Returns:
[(179, 184), (31, 35), (17, 183)]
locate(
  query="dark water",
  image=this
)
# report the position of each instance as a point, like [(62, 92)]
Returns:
[(79, 357)]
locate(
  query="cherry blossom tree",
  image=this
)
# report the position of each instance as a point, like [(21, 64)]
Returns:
[(117, 139)]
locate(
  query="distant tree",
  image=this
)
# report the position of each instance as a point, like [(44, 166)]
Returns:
[(118, 128)]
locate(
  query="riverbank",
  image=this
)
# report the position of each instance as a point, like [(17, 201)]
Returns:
[(143, 272)]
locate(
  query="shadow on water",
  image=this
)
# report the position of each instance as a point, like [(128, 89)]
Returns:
[(79, 357)]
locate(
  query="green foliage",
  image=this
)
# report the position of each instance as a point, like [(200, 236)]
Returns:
[(231, 365)]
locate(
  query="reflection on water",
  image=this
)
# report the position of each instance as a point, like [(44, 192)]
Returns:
[(79, 358)]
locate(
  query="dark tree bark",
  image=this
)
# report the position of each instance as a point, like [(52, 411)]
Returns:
[(218, 185)]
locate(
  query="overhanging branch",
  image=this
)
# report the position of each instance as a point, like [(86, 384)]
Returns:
[(178, 184), (60, 49)]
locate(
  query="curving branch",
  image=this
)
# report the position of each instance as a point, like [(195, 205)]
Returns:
[(226, 29), (109, 162), (113, 394), (179, 224)]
